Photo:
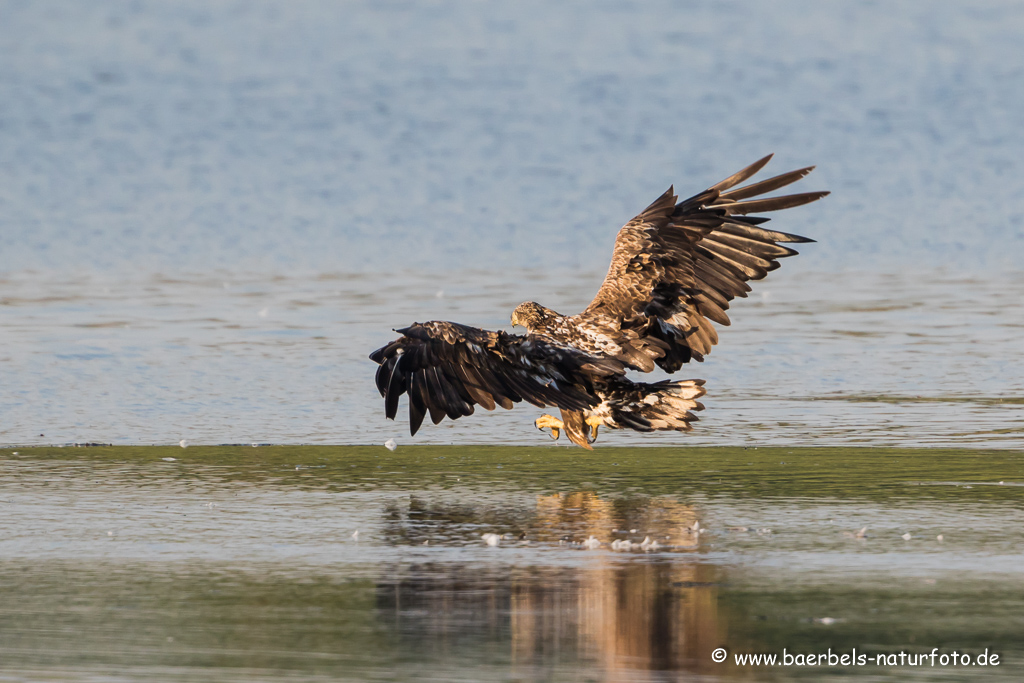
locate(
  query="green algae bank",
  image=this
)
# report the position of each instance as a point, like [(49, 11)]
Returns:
[(237, 563)]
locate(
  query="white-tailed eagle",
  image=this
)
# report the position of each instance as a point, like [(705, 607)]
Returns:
[(674, 270)]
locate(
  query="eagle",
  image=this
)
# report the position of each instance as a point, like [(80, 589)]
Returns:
[(675, 268)]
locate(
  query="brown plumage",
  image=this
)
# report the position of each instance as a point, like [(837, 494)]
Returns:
[(676, 267), (674, 270)]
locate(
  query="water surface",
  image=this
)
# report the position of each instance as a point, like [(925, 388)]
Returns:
[(211, 213), (241, 563), (811, 358)]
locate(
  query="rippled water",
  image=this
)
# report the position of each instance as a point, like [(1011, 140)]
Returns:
[(378, 136), (329, 563), (851, 358)]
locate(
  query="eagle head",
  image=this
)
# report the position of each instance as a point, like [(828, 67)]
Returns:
[(532, 315)]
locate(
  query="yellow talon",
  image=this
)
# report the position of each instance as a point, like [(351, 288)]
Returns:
[(551, 422), (594, 423)]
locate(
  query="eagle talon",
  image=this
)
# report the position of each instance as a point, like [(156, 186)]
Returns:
[(551, 422), (594, 423)]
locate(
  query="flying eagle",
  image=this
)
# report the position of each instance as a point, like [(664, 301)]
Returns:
[(674, 270)]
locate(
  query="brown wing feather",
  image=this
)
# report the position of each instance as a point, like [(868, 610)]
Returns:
[(447, 369), (676, 266)]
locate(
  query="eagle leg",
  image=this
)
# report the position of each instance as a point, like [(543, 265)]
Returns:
[(594, 421), (545, 421)]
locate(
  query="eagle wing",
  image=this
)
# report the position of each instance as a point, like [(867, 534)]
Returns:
[(447, 369), (676, 266)]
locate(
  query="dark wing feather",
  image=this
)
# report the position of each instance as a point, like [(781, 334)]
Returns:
[(677, 266), (447, 369)]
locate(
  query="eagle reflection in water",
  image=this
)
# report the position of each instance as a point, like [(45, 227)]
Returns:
[(618, 612), (674, 270)]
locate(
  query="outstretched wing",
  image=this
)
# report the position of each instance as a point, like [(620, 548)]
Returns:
[(676, 267), (447, 369)]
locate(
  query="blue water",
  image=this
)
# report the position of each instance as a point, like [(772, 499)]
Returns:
[(383, 136), (211, 213)]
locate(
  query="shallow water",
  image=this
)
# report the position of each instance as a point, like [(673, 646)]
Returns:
[(238, 563)]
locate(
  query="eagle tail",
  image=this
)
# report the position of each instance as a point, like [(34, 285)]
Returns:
[(666, 405), (576, 429)]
